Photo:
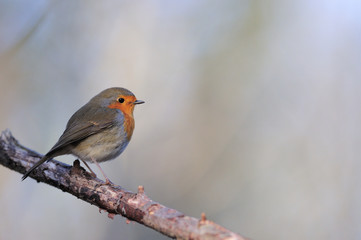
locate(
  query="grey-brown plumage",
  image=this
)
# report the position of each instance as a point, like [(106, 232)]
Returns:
[(98, 131)]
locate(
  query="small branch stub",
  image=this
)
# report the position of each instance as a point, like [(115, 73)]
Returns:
[(203, 217), (140, 189), (111, 215)]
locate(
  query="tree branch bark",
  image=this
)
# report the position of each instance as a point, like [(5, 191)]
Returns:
[(113, 199)]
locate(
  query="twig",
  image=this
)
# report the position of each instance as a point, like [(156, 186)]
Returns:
[(113, 199)]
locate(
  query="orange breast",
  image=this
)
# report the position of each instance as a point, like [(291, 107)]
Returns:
[(127, 108), (128, 125)]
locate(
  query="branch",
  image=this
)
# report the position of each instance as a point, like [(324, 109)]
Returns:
[(113, 199)]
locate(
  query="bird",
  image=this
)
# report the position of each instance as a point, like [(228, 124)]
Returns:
[(99, 131)]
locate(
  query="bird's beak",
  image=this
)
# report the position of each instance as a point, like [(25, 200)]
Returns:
[(138, 102)]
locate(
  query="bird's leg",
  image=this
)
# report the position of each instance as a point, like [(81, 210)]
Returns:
[(92, 173), (107, 181)]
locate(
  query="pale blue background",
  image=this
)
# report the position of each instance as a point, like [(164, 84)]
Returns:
[(252, 111)]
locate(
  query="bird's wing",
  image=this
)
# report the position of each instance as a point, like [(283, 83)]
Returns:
[(84, 123)]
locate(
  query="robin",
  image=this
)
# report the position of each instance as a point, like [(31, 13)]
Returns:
[(99, 131)]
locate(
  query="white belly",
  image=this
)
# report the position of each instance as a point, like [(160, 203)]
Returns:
[(101, 147)]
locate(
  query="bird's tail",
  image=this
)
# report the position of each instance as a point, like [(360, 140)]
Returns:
[(41, 161)]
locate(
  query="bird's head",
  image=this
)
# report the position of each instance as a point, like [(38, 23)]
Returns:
[(117, 98)]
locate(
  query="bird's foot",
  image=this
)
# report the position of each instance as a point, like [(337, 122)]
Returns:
[(108, 182), (92, 174)]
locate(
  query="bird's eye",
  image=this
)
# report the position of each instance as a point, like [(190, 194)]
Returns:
[(121, 100)]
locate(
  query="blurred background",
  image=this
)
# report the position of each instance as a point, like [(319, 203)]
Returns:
[(252, 111)]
